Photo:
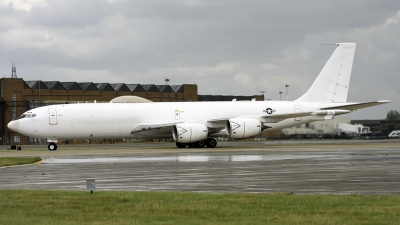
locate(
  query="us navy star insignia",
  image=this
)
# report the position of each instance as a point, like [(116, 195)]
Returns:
[(269, 111)]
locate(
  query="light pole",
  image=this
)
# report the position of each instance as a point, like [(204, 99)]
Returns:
[(172, 91), (287, 85), (280, 96)]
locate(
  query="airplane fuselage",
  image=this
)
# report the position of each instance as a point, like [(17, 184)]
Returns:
[(116, 120)]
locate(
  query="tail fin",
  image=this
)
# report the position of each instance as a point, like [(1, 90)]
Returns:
[(332, 83)]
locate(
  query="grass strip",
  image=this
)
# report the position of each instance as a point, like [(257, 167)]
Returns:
[(18, 161), (81, 207)]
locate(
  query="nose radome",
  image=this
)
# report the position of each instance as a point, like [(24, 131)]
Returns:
[(14, 125)]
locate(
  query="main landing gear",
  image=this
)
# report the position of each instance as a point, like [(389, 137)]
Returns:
[(209, 142), (52, 146)]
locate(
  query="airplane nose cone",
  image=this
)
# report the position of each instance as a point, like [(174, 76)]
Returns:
[(14, 125)]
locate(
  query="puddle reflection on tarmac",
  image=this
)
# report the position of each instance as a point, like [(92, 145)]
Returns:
[(186, 158)]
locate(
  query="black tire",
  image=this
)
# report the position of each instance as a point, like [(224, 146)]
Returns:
[(192, 145), (52, 146), (211, 142), (181, 145), (201, 144)]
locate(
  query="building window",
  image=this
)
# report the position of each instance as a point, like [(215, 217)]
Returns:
[(14, 106), (34, 104)]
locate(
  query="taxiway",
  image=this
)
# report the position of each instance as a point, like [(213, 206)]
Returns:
[(317, 167)]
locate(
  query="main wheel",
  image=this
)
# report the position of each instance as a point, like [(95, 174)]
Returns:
[(211, 142), (201, 144), (52, 146), (180, 145), (192, 145)]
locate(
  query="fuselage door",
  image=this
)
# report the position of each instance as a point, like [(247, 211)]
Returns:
[(53, 116), (297, 109), (177, 115)]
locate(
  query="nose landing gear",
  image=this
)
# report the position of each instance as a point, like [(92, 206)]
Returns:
[(52, 146)]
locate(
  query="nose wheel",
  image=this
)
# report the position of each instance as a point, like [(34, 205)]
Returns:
[(52, 146)]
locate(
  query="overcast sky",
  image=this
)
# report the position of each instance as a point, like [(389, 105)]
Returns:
[(227, 47)]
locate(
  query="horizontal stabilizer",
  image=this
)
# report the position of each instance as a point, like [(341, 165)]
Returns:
[(355, 106)]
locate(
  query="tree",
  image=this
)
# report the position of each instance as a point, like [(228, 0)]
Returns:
[(393, 115)]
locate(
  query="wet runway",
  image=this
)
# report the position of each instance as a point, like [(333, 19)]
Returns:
[(318, 167)]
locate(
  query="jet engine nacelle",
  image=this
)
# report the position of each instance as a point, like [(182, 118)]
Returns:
[(189, 132), (243, 127)]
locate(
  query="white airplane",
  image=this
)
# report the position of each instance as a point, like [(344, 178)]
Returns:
[(196, 124)]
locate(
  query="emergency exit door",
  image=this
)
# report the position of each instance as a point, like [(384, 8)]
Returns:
[(297, 109), (53, 117), (177, 115)]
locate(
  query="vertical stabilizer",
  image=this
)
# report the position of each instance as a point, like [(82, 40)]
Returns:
[(332, 83)]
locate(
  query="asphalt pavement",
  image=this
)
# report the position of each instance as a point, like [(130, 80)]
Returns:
[(301, 167)]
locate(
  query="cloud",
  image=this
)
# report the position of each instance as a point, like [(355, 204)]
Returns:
[(226, 47), (96, 76), (392, 20), (243, 79), (25, 5)]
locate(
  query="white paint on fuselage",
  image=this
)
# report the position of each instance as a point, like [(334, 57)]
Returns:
[(116, 120)]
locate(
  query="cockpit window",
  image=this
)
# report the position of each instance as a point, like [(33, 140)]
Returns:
[(22, 116), (27, 115)]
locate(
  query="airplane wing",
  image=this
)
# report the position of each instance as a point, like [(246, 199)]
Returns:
[(334, 110), (287, 115), (355, 106), (161, 130), (218, 124), (140, 127), (269, 118), (275, 118)]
